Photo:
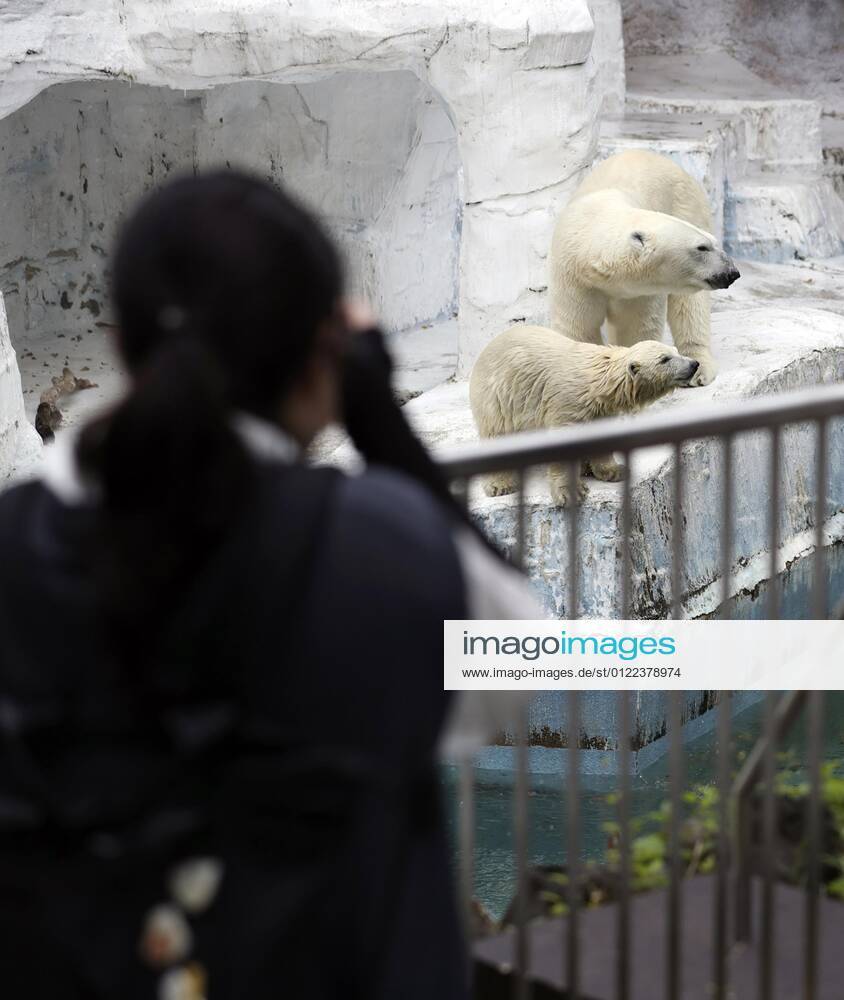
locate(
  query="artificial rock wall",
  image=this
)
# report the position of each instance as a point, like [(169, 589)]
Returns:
[(799, 44), (76, 157), (474, 114), (439, 140)]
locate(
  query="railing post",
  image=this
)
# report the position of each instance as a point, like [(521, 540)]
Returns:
[(573, 554), (522, 846), (743, 926), (466, 840), (819, 588), (573, 847), (677, 535), (774, 597), (723, 855), (624, 750), (522, 790), (624, 840), (521, 523), (744, 786), (573, 783), (769, 824), (674, 923), (814, 842)]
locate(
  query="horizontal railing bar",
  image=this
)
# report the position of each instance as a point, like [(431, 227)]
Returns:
[(577, 442)]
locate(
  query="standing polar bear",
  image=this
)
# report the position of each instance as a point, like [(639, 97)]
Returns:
[(530, 377), (633, 247)]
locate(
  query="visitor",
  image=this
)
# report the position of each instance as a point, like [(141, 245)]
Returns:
[(221, 685)]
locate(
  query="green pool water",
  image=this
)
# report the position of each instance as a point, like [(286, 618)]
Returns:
[(495, 874)]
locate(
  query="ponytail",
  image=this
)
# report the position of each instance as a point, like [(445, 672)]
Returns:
[(171, 474)]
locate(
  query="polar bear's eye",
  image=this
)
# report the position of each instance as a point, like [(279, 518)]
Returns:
[(703, 248), (665, 360)]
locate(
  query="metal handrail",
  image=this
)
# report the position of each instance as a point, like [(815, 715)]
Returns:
[(579, 441), (752, 771), (568, 446)]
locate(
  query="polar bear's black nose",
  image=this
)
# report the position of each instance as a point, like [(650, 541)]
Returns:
[(694, 367), (723, 279)]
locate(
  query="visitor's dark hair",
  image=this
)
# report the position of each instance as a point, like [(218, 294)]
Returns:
[(220, 283)]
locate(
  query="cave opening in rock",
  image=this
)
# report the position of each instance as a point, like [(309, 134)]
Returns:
[(374, 152)]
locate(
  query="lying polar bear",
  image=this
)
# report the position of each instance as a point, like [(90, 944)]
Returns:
[(633, 247), (531, 377)]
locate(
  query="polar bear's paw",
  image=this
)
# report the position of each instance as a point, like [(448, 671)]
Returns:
[(501, 485), (606, 469), (561, 493), (706, 372)]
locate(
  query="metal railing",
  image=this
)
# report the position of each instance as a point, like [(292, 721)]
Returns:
[(571, 446)]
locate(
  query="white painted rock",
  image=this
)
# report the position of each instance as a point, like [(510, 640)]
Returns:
[(774, 219), (511, 124), (20, 445)]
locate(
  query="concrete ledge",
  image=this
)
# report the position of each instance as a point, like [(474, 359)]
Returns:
[(782, 132)]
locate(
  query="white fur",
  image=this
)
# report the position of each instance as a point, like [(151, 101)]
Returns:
[(531, 377), (626, 251)]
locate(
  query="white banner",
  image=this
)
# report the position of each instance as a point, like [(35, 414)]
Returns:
[(588, 655)]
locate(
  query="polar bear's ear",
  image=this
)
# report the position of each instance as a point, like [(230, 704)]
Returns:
[(638, 238), (633, 368)]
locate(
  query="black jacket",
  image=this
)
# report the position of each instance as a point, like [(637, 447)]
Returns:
[(292, 717)]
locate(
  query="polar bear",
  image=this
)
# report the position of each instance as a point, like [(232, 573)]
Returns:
[(632, 247), (531, 377)]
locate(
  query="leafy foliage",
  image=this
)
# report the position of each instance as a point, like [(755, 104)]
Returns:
[(599, 882)]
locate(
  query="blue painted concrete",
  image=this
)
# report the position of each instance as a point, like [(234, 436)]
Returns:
[(549, 726), (548, 766)]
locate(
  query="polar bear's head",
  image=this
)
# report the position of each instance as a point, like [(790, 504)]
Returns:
[(654, 369), (666, 255)]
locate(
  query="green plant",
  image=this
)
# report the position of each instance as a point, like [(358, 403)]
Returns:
[(599, 882)]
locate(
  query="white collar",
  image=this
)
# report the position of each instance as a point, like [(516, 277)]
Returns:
[(264, 440), (60, 473)]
